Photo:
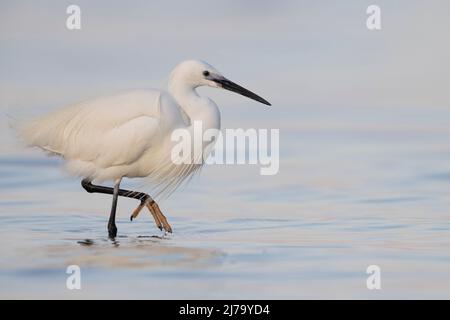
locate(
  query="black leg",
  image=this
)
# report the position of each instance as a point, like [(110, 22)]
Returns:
[(146, 200), (112, 229), (92, 188)]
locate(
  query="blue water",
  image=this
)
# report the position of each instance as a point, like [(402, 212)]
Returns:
[(347, 196)]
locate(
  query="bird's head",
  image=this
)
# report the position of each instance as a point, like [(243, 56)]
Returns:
[(196, 73)]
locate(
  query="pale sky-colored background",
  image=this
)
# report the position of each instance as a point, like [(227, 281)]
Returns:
[(298, 53)]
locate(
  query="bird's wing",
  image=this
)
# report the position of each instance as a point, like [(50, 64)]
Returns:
[(119, 145), (110, 131)]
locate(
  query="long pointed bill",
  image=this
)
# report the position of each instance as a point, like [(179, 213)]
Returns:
[(230, 85)]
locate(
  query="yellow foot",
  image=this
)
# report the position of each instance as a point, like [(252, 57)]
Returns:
[(152, 206), (137, 210), (158, 216)]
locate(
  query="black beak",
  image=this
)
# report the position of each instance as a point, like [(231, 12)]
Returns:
[(230, 85)]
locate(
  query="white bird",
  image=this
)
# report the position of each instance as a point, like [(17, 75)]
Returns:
[(128, 135)]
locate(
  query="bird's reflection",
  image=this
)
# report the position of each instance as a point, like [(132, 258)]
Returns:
[(144, 251)]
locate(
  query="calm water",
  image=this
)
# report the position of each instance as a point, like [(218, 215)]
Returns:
[(356, 187)]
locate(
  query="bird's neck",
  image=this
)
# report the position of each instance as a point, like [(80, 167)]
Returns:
[(196, 107)]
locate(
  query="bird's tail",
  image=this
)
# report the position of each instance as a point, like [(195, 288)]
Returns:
[(17, 126), (30, 133)]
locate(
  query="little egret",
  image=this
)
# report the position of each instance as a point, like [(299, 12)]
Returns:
[(128, 135)]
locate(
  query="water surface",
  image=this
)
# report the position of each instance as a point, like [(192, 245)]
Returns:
[(347, 196)]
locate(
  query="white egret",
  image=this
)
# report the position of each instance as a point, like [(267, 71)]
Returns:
[(128, 135)]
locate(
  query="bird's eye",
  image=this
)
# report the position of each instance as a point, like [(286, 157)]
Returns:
[(206, 73)]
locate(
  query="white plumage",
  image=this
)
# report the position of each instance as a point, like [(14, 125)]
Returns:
[(128, 134)]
